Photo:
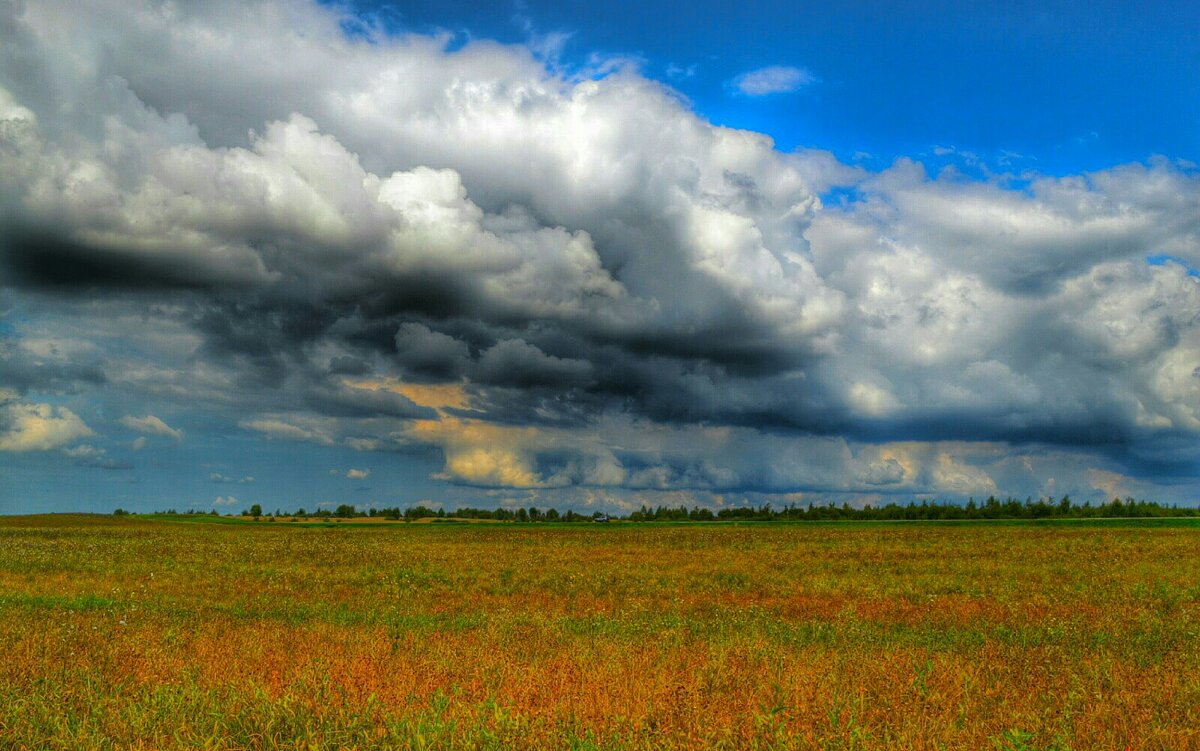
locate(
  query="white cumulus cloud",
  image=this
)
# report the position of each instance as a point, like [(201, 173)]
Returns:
[(39, 427)]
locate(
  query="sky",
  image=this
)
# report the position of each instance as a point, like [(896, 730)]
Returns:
[(596, 256)]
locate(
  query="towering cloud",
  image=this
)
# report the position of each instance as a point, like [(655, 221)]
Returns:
[(562, 280)]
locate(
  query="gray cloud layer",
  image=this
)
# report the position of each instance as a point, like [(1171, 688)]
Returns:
[(608, 290)]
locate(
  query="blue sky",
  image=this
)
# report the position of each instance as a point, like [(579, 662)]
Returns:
[(596, 256), (1056, 87)]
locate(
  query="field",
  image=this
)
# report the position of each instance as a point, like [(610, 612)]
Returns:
[(146, 633)]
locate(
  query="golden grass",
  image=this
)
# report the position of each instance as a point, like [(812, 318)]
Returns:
[(144, 634)]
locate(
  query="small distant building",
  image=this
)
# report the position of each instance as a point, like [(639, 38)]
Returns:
[(600, 518)]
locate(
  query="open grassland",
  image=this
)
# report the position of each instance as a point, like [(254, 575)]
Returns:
[(152, 634)]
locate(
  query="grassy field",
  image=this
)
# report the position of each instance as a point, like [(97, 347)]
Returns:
[(153, 634)]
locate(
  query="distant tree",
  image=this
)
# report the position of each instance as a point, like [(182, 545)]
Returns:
[(344, 511), (255, 511), (418, 512)]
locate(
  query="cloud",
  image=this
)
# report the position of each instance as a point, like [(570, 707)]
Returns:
[(557, 281), (84, 451), (39, 427), (423, 351), (281, 429), (49, 365), (358, 474), (219, 478), (773, 79), (479, 453), (513, 362), (676, 72), (225, 500), (151, 425), (959, 478), (86, 455)]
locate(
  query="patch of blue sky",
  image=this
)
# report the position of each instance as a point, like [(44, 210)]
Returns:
[(1163, 259), (841, 196)]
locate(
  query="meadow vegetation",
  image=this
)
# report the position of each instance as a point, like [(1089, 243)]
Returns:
[(146, 633)]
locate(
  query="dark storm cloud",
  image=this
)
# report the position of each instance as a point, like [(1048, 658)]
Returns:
[(418, 294), (516, 363), (43, 259), (348, 365), (424, 352)]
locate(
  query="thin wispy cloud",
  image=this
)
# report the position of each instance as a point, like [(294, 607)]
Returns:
[(151, 425), (774, 79)]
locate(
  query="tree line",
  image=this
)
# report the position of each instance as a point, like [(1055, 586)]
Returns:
[(991, 508), (412, 513)]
